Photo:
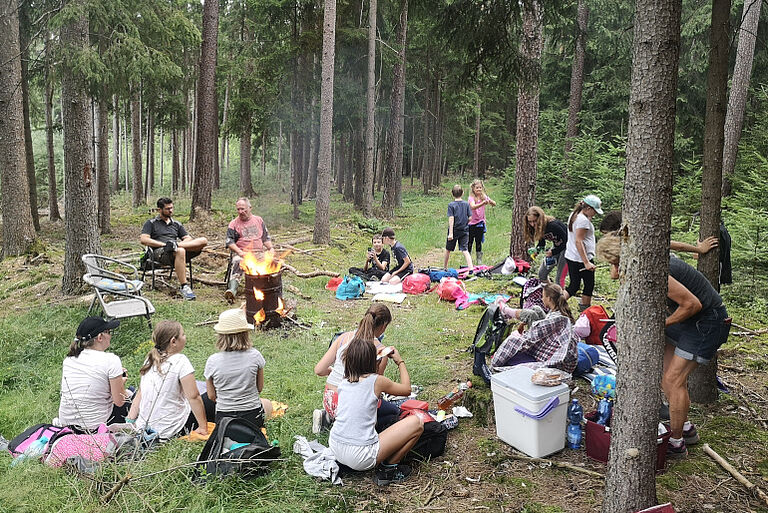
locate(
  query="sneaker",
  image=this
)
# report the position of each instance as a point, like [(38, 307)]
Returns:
[(676, 453), (321, 421), (186, 291), (691, 436), (387, 474)]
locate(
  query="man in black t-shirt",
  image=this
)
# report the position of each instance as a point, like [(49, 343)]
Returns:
[(171, 244)]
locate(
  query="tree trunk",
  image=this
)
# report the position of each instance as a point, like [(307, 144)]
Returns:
[(162, 155), (264, 153), (81, 221), (394, 156), (322, 233), (18, 227), (476, 159), (577, 80), (527, 125), (702, 384), (102, 166), (175, 161), (370, 111), (53, 194), (349, 169), (24, 32), (138, 191), (224, 138), (150, 151), (314, 150), (246, 185), (737, 102), (341, 149), (207, 112), (630, 483), (426, 176), (115, 145), (279, 147), (126, 147)]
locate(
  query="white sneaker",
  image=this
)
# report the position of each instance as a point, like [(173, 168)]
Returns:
[(186, 291), (320, 421)]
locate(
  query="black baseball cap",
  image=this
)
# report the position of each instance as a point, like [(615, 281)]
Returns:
[(92, 326)]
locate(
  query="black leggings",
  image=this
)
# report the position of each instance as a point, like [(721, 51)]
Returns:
[(577, 273), (476, 232), (369, 275)]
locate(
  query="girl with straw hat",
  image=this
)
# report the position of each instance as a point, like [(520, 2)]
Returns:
[(235, 375)]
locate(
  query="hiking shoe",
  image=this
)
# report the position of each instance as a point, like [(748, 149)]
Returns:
[(691, 436), (676, 453), (186, 291), (320, 421), (387, 474)]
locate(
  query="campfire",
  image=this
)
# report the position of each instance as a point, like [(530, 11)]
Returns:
[(263, 289)]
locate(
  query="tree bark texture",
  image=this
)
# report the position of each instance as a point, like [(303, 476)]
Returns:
[(630, 483), (279, 147), (577, 77), (81, 221), (102, 166), (393, 166), (527, 124), (24, 33), (224, 138), (737, 101), (53, 194), (322, 233), (370, 112), (207, 112), (246, 185), (18, 228), (138, 188), (115, 145), (702, 383)]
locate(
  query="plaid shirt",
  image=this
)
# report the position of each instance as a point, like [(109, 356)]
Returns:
[(550, 341)]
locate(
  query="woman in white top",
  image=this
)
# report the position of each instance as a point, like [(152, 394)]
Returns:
[(580, 249), (168, 391), (92, 380)]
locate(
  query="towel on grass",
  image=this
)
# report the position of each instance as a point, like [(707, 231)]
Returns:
[(318, 459)]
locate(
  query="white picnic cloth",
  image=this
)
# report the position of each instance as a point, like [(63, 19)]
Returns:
[(376, 287), (389, 298)]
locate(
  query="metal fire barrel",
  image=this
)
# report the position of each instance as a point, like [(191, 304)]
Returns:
[(271, 285)]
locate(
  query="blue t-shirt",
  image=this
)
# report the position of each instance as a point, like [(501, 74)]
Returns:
[(399, 252), (460, 212)]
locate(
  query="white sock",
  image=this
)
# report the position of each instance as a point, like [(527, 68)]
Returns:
[(675, 442), (687, 426)]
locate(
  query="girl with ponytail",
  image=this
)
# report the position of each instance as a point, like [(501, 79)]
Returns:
[(168, 400), (549, 340), (371, 328)]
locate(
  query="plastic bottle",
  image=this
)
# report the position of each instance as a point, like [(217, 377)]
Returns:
[(604, 411), (34, 451), (453, 397), (573, 432)]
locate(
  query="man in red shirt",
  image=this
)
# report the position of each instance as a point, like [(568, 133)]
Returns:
[(245, 233)]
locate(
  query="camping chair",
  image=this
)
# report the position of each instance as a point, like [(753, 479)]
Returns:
[(119, 294), (149, 264)]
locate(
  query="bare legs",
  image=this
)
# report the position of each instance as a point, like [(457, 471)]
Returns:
[(398, 439), (674, 382), (180, 256)]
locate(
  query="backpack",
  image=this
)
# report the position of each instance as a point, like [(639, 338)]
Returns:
[(19, 444), (608, 339), (533, 294), (351, 287), (588, 358), (596, 318), (248, 461), (431, 443), (451, 289), (436, 274), (416, 283), (491, 331), (90, 447)]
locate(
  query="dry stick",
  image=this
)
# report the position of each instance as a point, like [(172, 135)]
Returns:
[(297, 323), (735, 473), (750, 330), (206, 323), (741, 397), (293, 289), (108, 496), (204, 281), (560, 464), (310, 274)]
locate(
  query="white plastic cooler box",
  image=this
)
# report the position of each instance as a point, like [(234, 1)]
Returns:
[(529, 417)]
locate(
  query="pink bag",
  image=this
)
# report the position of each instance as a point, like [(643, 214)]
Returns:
[(96, 447), (416, 283), (451, 289)]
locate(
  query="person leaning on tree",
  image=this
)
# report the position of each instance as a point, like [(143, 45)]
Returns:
[(245, 233), (171, 244), (695, 329)]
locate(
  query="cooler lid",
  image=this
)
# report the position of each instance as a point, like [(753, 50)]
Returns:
[(519, 380)]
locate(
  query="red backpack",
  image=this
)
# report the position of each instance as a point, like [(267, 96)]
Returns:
[(598, 318), (451, 289), (416, 283)]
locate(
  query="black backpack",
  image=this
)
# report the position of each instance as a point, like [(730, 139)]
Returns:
[(247, 461), (491, 331), (431, 443)]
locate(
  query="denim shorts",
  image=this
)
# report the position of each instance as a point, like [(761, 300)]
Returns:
[(698, 338)]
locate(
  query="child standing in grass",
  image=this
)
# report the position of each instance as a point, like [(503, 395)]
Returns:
[(353, 438), (477, 224), (403, 265), (458, 226), (168, 400), (235, 375)]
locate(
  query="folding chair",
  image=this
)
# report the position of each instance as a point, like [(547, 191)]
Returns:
[(118, 293), (149, 264)]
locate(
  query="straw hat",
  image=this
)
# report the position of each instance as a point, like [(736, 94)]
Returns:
[(232, 321)]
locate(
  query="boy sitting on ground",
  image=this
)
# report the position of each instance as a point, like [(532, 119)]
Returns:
[(403, 264), (376, 262)]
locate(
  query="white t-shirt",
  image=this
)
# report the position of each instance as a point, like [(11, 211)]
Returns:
[(234, 375), (86, 397), (571, 253), (163, 404)]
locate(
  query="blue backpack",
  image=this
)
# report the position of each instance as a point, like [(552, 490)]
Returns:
[(588, 358), (351, 287)]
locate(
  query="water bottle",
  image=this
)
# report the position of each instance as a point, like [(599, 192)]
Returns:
[(34, 451), (604, 410), (575, 416)]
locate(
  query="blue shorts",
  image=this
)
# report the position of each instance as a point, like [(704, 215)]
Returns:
[(697, 339)]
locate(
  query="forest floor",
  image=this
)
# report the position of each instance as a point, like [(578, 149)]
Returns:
[(478, 472)]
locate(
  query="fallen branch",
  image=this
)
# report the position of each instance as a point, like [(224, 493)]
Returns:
[(217, 253), (213, 283), (111, 493), (294, 290), (559, 464), (749, 330), (742, 398), (735, 473), (312, 274), (206, 323), (297, 323)]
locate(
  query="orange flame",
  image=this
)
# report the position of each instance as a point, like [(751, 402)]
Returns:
[(259, 317), (280, 307), (259, 295), (264, 263)]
